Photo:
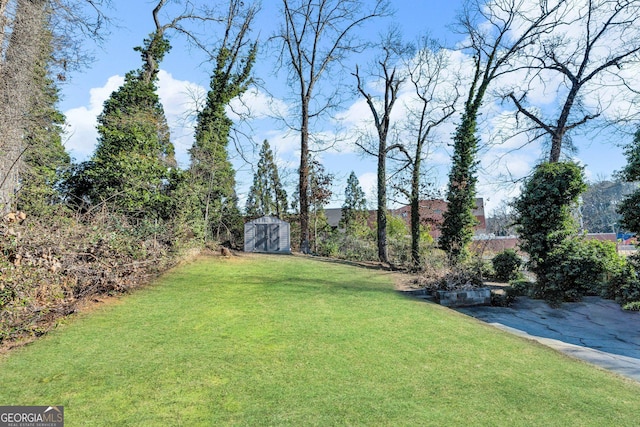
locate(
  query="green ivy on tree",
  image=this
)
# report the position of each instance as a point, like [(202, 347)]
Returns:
[(134, 156), (213, 176), (459, 221), (45, 160), (544, 218)]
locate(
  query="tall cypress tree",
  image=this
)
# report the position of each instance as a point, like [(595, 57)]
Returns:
[(267, 195)]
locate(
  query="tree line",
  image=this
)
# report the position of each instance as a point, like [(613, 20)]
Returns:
[(511, 49)]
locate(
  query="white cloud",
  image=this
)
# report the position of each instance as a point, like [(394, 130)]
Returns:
[(257, 104), (81, 133), (369, 184), (179, 98), (283, 143)]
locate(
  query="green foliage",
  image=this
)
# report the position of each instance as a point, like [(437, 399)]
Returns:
[(624, 286), (482, 267), (503, 299), (521, 286), (344, 246), (578, 267), (46, 162), (398, 240), (134, 156), (543, 209), (459, 221), (631, 172), (632, 306), (267, 195), (212, 174), (506, 265), (630, 206), (354, 209)]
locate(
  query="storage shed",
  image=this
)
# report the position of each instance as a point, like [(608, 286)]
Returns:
[(267, 234)]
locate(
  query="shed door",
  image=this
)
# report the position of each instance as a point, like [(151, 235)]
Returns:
[(268, 237)]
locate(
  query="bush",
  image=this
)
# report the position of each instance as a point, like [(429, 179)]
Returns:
[(506, 265), (543, 210), (632, 306), (344, 246), (577, 267), (624, 287), (521, 287)]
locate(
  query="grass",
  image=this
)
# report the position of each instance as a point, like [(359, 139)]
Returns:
[(278, 340)]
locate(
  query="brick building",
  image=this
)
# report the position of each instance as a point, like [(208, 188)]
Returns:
[(432, 211)]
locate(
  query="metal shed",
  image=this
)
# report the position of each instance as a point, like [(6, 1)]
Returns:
[(267, 234)]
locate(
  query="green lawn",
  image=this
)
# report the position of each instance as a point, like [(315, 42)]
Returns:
[(282, 340)]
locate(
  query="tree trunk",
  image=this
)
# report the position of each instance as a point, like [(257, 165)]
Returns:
[(17, 92), (304, 179), (556, 148), (415, 211), (383, 255)]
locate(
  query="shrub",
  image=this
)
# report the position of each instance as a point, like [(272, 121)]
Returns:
[(632, 306), (543, 211), (577, 267), (344, 246), (521, 287), (506, 265), (624, 287)]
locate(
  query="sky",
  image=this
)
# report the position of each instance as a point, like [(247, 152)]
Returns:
[(184, 77)]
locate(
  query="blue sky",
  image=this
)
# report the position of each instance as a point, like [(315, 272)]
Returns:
[(185, 73)]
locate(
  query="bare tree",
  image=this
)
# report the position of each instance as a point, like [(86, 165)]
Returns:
[(316, 36), (593, 50), (502, 220), (599, 203), (498, 31), (437, 93), (386, 72)]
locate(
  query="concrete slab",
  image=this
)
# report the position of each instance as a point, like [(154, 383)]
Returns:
[(595, 330)]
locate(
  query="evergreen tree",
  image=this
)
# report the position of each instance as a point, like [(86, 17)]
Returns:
[(267, 195), (134, 155), (44, 161), (544, 212), (354, 209), (213, 176)]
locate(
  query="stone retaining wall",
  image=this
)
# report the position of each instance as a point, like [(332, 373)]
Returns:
[(480, 296)]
